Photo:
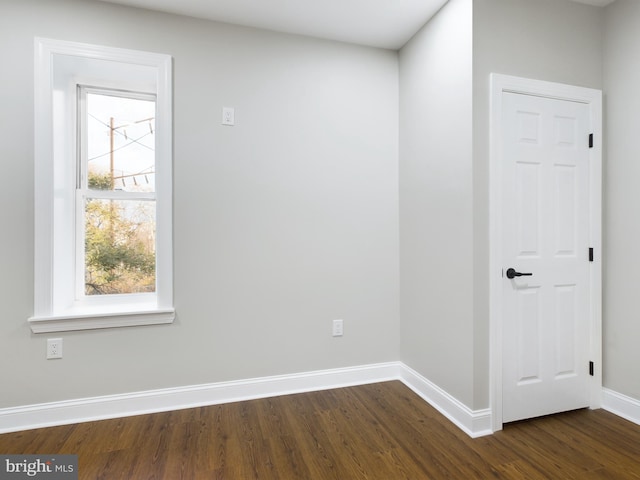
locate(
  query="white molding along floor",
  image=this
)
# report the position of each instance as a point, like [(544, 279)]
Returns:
[(621, 405), (475, 423)]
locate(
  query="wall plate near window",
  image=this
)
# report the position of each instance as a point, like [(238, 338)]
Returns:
[(103, 166)]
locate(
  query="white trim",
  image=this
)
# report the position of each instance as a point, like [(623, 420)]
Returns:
[(49, 46), (593, 98), (56, 305), (101, 320), (621, 405), (162, 400), (474, 423)]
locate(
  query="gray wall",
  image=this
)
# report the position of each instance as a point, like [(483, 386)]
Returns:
[(436, 213), (553, 40), (622, 197), (282, 223), (444, 165), (291, 218)]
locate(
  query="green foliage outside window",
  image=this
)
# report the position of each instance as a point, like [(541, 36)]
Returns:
[(119, 243)]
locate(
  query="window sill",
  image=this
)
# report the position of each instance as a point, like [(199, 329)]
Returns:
[(93, 321)]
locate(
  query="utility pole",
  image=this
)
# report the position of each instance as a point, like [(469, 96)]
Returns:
[(112, 184), (111, 135)]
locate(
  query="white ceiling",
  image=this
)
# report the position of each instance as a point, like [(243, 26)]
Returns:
[(597, 3), (377, 23)]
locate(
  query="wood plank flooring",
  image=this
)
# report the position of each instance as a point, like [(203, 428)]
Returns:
[(382, 431)]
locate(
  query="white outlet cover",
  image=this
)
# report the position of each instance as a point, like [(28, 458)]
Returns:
[(54, 348)]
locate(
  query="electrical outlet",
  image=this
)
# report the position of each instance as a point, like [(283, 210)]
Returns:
[(337, 328), (54, 348)]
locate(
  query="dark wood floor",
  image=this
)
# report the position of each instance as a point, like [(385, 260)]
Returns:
[(382, 431)]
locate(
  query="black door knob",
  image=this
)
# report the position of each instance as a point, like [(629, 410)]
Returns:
[(511, 273)]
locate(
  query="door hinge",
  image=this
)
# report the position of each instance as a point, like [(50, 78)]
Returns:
[(591, 140), (591, 254), (591, 368)]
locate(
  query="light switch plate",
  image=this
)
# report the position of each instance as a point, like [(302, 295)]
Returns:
[(338, 329), (228, 116)]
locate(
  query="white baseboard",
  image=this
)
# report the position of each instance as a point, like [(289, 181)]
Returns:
[(474, 423), (154, 401), (621, 405)]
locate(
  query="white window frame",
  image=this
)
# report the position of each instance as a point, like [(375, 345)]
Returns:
[(61, 66)]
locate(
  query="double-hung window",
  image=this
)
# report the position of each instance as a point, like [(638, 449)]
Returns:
[(103, 158), (115, 195)]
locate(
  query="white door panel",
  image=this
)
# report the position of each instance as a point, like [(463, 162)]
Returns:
[(545, 233)]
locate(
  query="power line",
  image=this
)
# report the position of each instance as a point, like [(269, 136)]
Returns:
[(123, 146), (115, 129)]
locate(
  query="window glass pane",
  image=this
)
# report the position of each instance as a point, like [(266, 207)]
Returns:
[(120, 247), (120, 143)]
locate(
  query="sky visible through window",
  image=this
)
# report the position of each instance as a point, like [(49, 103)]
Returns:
[(133, 140)]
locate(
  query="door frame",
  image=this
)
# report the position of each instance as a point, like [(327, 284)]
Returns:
[(500, 84)]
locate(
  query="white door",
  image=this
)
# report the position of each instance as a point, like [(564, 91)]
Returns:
[(545, 205)]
